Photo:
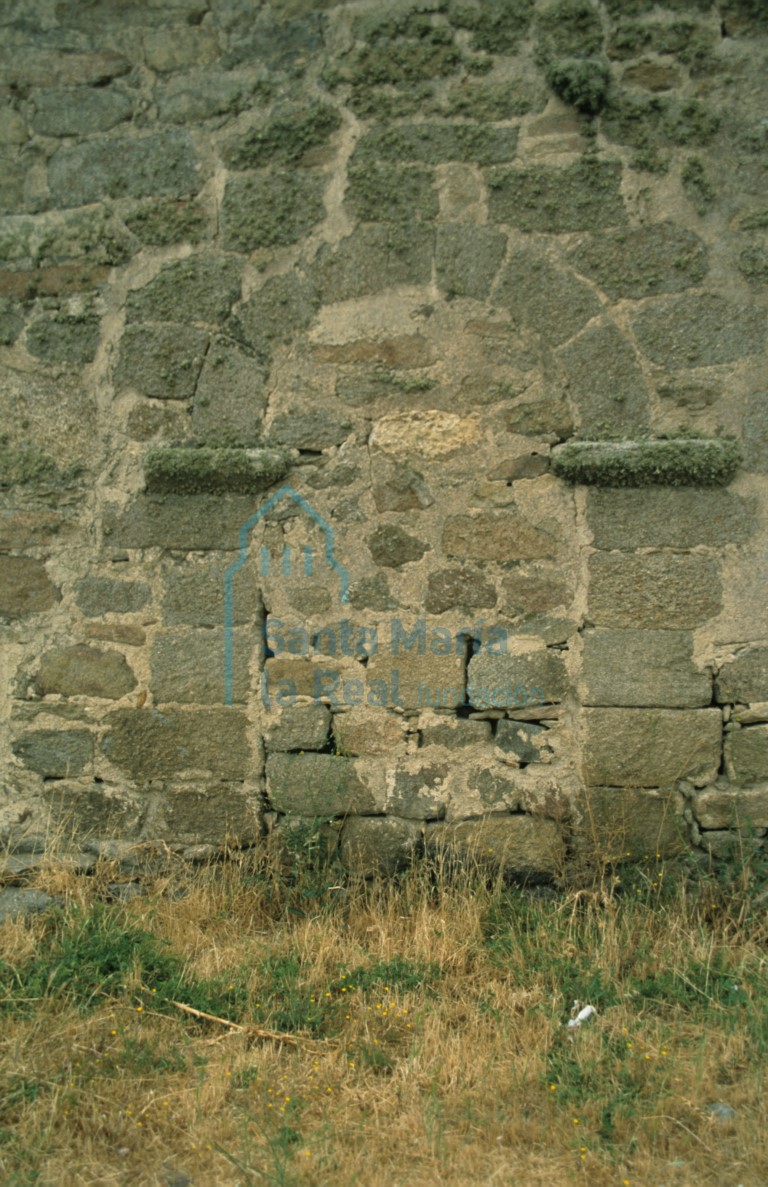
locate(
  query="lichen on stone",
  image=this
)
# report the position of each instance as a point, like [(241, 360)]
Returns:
[(678, 461), (189, 471)]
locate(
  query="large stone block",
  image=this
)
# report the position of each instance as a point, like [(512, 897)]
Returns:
[(746, 754), (553, 303), (437, 144), (84, 671), (667, 518), (418, 790), (25, 587), (230, 397), (745, 678), (383, 845), (642, 668), (94, 810), (575, 198), (605, 382), (629, 824), (535, 590), (210, 814), (372, 258), (115, 167), (55, 754), (202, 523), (369, 731), (162, 361), (458, 589), (188, 666), (277, 311), (299, 727), (650, 747), (639, 261), (698, 331), (525, 847), (733, 807), (319, 785), (270, 209), (195, 593), (658, 590), (56, 338), (468, 258), (78, 112), (415, 679), (492, 536), (104, 595), (202, 288), (379, 192), (151, 744), (454, 733), (515, 680)]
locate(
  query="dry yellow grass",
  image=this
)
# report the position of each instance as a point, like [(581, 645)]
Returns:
[(453, 1066)]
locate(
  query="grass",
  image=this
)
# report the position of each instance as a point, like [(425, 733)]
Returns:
[(424, 1022)]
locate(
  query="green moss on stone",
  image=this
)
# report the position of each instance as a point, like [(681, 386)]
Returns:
[(380, 192), (291, 132), (494, 101), (187, 471), (647, 122), (497, 26), (753, 264), (683, 461), (25, 465), (697, 186), (570, 28), (270, 209), (437, 143), (163, 223), (754, 220), (582, 82), (575, 198)]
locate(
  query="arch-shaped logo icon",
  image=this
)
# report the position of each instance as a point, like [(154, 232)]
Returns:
[(307, 562)]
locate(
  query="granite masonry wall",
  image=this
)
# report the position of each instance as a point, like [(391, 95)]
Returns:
[(384, 440)]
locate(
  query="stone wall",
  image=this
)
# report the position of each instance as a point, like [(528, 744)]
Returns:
[(309, 313)]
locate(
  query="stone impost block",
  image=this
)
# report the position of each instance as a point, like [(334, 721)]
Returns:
[(628, 824), (642, 668), (319, 785), (650, 747), (746, 754), (55, 754), (384, 845), (714, 807), (188, 666), (513, 680), (151, 744), (665, 518), (526, 847), (299, 727), (177, 470), (84, 671), (685, 462), (25, 587), (660, 590), (745, 678)]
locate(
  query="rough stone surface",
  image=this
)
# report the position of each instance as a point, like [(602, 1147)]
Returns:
[(698, 331), (450, 589), (55, 754), (269, 209), (300, 727), (317, 785), (93, 810), (455, 733), (416, 679), (651, 591), (201, 289), (188, 667), (105, 595), (745, 678), (642, 668), (418, 791), (605, 382), (78, 112), (525, 740), (719, 808), (162, 165), (25, 587), (640, 261), (490, 536), (150, 744), (467, 259), (84, 671), (746, 754), (629, 824), (524, 847), (550, 301), (392, 547), (668, 518), (650, 747), (577, 198), (372, 846), (212, 813), (516, 680), (368, 731), (163, 361)]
